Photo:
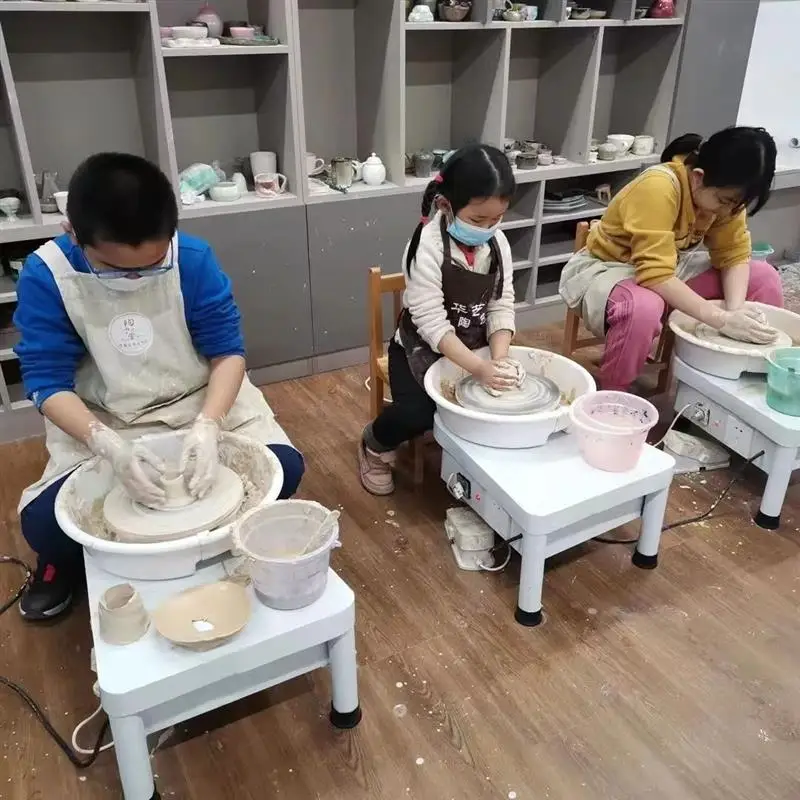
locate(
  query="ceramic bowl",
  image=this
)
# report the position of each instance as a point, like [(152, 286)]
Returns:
[(622, 141), (559, 159), (243, 32), (644, 145), (580, 13), (61, 201), (454, 13), (224, 192), (190, 32), (166, 33), (121, 615), (595, 14), (10, 204), (607, 152)]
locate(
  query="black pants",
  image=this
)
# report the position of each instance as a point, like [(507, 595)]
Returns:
[(411, 412)]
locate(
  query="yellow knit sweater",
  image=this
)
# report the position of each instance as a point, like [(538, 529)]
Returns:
[(650, 221)]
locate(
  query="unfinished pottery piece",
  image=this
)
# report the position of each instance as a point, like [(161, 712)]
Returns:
[(714, 338), (121, 615), (535, 394), (515, 370), (133, 522), (204, 617)]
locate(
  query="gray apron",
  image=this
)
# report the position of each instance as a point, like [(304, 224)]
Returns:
[(466, 296), (142, 373), (586, 282)]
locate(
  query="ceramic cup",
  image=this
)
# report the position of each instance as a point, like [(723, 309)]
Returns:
[(122, 617), (313, 164), (61, 201), (269, 184), (263, 161), (643, 145), (545, 158), (531, 13), (512, 156)]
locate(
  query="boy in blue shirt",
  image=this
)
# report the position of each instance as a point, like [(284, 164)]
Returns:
[(128, 328)]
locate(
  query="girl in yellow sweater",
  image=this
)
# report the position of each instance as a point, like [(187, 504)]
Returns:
[(643, 257)]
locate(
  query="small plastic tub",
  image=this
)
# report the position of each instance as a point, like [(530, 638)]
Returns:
[(783, 380), (761, 251), (612, 428)]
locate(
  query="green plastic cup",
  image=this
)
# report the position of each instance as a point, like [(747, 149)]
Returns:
[(783, 380)]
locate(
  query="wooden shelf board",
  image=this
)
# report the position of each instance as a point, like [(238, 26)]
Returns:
[(550, 300), (557, 258), (359, 190), (535, 24), (250, 202), (573, 169), (594, 209), (516, 224), (593, 23), (86, 6), (523, 305), (445, 26), (522, 264), (225, 50), (649, 23)]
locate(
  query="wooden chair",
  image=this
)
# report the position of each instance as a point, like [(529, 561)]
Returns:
[(380, 285), (659, 362)]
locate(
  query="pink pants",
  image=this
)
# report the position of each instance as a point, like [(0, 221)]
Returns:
[(634, 315)]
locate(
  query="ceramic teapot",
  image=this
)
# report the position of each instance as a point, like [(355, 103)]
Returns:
[(373, 172), (423, 163)]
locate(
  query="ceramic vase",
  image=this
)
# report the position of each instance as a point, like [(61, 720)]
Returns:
[(211, 20), (662, 9), (122, 616)]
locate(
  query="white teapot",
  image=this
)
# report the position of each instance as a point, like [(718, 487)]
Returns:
[(373, 172)]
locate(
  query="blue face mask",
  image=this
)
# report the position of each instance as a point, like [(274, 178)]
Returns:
[(470, 235)]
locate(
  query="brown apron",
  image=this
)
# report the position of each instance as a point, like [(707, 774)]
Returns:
[(466, 296)]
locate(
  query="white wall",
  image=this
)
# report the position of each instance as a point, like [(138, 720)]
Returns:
[(771, 92)]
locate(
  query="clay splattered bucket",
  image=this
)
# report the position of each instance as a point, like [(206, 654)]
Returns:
[(288, 546)]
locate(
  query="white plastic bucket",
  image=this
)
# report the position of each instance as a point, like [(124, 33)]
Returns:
[(612, 428), (273, 540)]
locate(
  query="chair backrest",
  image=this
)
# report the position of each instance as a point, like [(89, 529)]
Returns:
[(380, 285)]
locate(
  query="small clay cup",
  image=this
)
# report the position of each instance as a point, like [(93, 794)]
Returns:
[(122, 616)]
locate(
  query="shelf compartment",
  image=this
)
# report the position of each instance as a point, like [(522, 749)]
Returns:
[(249, 202), (591, 210), (523, 284), (523, 206), (8, 290), (352, 91), (549, 88), (223, 109), (636, 82), (556, 244), (547, 280), (521, 241), (9, 339), (12, 392), (92, 77), (454, 88)]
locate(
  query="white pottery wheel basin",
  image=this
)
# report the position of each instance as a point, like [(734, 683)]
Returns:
[(79, 510), (727, 358), (515, 431)]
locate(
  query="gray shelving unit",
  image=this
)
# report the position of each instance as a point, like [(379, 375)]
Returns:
[(350, 77)]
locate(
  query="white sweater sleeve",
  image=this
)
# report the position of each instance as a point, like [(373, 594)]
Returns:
[(424, 297), (500, 311)]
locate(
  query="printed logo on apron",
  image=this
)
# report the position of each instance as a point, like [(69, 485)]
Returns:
[(131, 334)]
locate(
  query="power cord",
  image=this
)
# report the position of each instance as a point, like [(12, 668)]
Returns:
[(72, 755)]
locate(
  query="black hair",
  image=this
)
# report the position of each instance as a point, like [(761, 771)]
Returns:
[(476, 170), (734, 158), (122, 199)]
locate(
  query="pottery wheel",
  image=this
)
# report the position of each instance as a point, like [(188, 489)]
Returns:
[(716, 341), (133, 522), (535, 395)]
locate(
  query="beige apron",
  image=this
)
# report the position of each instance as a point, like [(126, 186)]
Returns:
[(586, 282), (142, 373)]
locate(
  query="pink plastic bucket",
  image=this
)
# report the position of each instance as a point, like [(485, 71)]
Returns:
[(611, 428)]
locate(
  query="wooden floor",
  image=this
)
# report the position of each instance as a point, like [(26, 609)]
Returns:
[(682, 683)]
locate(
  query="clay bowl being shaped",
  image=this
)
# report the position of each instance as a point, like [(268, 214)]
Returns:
[(580, 13), (121, 615), (454, 13), (204, 617), (622, 141), (61, 201), (703, 348), (190, 32), (224, 192)]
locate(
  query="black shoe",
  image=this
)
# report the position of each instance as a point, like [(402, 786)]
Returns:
[(49, 595)]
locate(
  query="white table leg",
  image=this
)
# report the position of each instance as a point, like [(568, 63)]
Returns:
[(345, 711), (133, 760), (778, 476), (646, 553), (531, 579)]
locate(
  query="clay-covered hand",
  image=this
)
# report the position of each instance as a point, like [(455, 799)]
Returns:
[(137, 468), (494, 376), (747, 325), (200, 456)]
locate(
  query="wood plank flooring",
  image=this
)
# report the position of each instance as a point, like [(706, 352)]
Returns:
[(677, 684)]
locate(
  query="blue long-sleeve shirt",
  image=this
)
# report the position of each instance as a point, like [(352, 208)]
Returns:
[(51, 350)]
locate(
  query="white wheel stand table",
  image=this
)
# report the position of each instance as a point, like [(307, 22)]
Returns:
[(552, 500), (735, 413), (151, 684)]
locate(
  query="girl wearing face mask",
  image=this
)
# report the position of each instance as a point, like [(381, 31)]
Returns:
[(643, 257), (459, 297)]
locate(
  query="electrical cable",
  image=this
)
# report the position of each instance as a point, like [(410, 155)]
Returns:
[(91, 755)]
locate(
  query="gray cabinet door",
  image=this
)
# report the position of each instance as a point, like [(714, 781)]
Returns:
[(266, 255)]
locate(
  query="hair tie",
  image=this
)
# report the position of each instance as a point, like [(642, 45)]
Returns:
[(424, 220), (438, 179)]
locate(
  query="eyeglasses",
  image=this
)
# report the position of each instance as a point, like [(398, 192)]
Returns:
[(112, 273)]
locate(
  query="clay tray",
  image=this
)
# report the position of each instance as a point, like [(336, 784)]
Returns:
[(256, 40)]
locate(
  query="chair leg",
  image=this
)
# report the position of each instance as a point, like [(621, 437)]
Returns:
[(571, 325), (418, 450), (377, 388)]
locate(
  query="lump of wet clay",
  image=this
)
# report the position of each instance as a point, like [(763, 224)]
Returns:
[(515, 370)]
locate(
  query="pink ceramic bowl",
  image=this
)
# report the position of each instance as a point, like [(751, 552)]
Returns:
[(243, 33)]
